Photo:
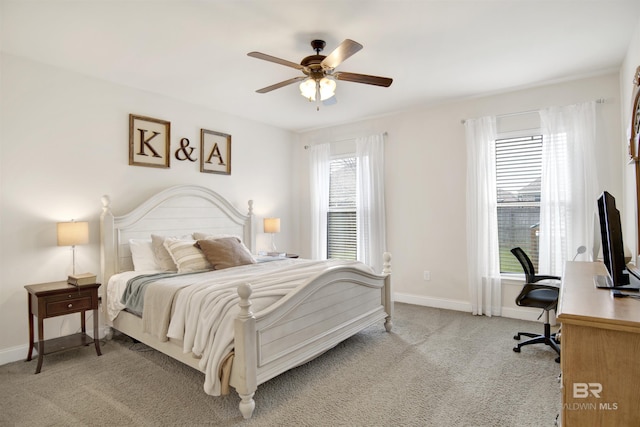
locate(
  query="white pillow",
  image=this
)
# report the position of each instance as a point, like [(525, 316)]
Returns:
[(187, 257), (142, 255)]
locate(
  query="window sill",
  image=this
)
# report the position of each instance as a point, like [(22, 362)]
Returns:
[(512, 279)]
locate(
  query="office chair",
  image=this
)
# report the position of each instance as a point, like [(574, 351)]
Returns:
[(533, 294)]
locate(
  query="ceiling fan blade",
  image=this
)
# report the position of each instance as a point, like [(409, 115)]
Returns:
[(270, 58), (281, 84), (363, 78), (342, 52)]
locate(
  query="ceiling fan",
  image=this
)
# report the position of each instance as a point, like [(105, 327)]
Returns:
[(318, 82)]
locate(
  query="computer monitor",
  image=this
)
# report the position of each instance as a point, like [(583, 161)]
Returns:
[(612, 246)]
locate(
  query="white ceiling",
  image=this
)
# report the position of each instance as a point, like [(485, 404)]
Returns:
[(435, 51)]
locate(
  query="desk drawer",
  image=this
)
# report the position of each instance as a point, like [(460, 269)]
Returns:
[(68, 306)]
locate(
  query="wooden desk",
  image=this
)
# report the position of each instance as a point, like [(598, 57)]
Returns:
[(600, 345)]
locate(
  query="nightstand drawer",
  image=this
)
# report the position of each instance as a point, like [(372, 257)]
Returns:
[(68, 306)]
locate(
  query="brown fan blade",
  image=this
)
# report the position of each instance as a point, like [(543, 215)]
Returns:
[(281, 84), (342, 52), (270, 58), (364, 78)]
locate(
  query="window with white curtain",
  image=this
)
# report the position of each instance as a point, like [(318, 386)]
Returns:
[(518, 166), (341, 216)]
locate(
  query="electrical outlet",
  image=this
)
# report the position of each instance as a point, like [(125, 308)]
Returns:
[(427, 275)]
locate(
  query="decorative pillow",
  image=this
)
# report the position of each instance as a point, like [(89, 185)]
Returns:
[(187, 257), (142, 255), (225, 252), (162, 256), (201, 236)]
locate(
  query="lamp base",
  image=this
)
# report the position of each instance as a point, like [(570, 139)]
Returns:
[(277, 254)]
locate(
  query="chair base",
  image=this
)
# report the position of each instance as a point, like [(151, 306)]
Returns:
[(548, 339)]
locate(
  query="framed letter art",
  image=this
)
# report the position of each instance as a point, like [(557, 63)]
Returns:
[(149, 141), (215, 152), (634, 141)]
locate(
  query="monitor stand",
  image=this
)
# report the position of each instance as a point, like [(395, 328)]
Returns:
[(629, 282)]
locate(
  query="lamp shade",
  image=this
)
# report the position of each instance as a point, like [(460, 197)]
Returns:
[(272, 225), (73, 233)]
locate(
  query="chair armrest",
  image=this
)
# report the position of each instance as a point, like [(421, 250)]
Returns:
[(531, 286), (539, 278)]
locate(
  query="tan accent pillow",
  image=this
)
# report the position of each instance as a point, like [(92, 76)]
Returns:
[(226, 252), (198, 235), (186, 255), (163, 257)]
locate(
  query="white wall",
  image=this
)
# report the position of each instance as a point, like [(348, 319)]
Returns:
[(64, 143), (425, 182)]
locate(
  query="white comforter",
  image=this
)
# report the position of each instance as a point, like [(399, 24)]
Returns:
[(206, 304)]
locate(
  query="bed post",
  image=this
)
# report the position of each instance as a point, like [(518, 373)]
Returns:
[(107, 249), (388, 301), (245, 361), (249, 232)]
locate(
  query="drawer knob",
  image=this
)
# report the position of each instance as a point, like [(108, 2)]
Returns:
[(70, 305)]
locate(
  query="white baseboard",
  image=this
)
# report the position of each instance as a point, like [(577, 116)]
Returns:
[(447, 304), (14, 354), (457, 305)]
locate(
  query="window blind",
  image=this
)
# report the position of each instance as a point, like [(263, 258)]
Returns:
[(518, 184), (341, 220)]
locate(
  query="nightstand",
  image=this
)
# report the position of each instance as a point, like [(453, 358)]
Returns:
[(53, 299)]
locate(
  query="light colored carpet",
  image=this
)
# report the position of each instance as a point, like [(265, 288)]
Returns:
[(437, 368)]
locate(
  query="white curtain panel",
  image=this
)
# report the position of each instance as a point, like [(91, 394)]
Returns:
[(319, 183), (483, 258), (569, 184), (370, 206)]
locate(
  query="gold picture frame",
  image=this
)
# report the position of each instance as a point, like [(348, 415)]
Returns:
[(215, 152), (149, 142), (634, 140)]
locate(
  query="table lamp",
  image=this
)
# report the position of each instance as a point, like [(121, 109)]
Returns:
[(272, 225), (71, 234)]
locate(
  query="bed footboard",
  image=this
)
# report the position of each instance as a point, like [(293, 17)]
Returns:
[(315, 318)]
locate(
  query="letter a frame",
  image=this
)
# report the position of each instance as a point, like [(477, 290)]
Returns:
[(215, 152), (149, 142)]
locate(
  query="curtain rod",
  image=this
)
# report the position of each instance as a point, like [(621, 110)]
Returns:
[(519, 113), (306, 147)]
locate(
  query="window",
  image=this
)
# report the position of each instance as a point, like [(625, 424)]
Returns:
[(341, 216), (518, 182)]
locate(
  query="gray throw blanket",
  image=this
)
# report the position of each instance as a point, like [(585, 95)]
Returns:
[(133, 296)]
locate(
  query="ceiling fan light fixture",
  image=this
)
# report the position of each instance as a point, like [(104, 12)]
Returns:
[(308, 89), (326, 86)]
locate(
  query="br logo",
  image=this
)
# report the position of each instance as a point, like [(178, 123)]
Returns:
[(583, 390)]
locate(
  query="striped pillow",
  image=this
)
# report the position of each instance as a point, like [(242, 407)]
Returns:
[(188, 258)]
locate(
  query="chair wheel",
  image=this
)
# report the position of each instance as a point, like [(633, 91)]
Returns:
[(516, 337), (516, 349)]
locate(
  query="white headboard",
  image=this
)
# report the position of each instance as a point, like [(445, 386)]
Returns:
[(175, 211)]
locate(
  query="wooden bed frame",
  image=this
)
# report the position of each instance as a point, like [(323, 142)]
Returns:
[(304, 324)]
